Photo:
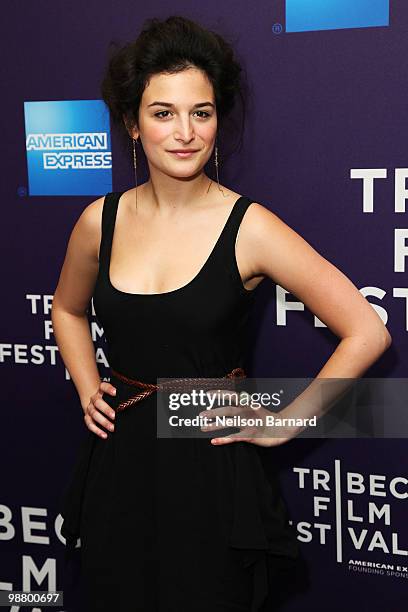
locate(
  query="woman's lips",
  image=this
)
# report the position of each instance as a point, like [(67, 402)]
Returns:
[(182, 155)]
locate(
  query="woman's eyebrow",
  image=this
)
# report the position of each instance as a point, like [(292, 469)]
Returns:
[(168, 104)]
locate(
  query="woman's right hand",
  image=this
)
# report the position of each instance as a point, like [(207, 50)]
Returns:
[(97, 408)]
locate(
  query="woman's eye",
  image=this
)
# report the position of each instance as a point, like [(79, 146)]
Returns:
[(160, 113)]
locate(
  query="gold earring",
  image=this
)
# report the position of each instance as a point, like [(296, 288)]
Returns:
[(216, 169), (135, 167)]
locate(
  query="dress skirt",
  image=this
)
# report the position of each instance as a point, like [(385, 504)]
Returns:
[(174, 525)]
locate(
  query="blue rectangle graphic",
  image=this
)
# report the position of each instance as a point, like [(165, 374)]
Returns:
[(68, 147), (308, 15)]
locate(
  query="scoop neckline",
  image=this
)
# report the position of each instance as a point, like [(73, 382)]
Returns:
[(178, 289)]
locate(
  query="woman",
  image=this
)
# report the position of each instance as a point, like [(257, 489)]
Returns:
[(186, 524)]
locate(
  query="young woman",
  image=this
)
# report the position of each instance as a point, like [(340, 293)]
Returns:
[(189, 524)]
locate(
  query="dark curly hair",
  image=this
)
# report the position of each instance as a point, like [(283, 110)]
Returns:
[(170, 46)]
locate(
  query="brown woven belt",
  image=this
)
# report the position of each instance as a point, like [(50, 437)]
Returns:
[(175, 384)]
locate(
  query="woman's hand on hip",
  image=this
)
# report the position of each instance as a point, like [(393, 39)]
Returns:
[(258, 434), (97, 411)]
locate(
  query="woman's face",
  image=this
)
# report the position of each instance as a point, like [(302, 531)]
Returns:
[(177, 112)]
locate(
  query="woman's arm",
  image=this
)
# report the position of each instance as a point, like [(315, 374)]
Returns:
[(71, 300), (273, 249), (269, 247)]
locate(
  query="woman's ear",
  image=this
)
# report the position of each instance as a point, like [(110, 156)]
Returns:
[(131, 130)]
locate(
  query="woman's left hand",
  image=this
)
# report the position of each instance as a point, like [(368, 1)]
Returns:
[(255, 434)]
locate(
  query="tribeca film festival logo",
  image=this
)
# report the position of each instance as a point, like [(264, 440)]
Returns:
[(68, 147), (363, 515), (44, 351), (315, 15)]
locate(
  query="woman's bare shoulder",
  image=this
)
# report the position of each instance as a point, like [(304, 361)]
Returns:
[(80, 267), (89, 224)]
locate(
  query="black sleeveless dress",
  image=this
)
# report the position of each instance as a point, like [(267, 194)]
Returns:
[(174, 525)]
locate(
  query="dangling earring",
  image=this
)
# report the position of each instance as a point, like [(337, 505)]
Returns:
[(135, 167), (216, 168)]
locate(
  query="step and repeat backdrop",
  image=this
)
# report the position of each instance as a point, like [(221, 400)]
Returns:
[(324, 147)]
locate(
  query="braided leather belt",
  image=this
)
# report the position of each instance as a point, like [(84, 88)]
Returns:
[(175, 384)]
